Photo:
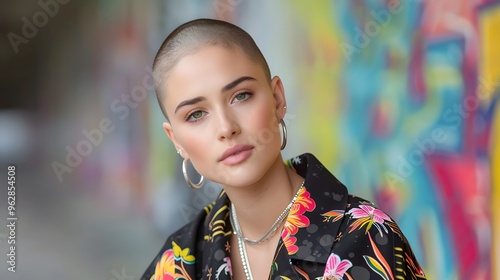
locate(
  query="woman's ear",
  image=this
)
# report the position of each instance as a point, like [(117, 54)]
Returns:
[(279, 97), (171, 135)]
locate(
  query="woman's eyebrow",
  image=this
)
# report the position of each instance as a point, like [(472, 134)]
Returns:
[(236, 82), (189, 102), (227, 87)]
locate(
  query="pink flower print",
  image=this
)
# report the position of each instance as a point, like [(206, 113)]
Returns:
[(368, 215), (336, 268)]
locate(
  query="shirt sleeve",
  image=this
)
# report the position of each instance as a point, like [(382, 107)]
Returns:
[(370, 245)]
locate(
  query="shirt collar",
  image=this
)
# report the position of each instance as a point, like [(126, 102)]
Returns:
[(320, 209)]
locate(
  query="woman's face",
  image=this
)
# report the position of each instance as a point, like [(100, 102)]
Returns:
[(224, 115)]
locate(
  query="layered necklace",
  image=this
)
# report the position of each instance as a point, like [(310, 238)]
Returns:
[(270, 233)]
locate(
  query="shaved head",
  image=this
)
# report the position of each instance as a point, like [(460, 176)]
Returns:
[(192, 36)]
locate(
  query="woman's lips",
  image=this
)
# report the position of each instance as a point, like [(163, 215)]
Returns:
[(236, 154)]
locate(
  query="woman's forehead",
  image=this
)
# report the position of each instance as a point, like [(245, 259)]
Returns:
[(215, 57), (212, 65)]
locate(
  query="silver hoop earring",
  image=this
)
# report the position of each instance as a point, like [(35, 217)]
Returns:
[(283, 130), (186, 176)]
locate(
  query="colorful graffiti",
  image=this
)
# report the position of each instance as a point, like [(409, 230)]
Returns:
[(413, 89)]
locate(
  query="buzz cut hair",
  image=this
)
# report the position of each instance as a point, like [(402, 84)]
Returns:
[(191, 37)]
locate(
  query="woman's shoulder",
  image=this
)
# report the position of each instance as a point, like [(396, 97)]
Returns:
[(359, 210), (376, 239), (175, 245), (183, 243), (354, 201)]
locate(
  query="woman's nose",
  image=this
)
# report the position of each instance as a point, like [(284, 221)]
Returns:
[(228, 127)]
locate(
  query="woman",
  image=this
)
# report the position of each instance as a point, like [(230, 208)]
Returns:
[(292, 220)]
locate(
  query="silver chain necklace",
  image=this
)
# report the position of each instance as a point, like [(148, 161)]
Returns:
[(274, 227), (242, 239), (244, 259)]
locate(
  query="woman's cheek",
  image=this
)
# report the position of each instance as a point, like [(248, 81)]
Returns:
[(266, 122), (193, 142)]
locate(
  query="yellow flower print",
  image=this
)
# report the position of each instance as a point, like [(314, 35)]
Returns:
[(168, 269), (182, 254)]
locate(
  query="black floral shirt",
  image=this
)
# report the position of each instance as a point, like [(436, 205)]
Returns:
[(328, 234)]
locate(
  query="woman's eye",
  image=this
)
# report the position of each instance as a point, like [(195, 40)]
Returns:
[(195, 116), (242, 96)]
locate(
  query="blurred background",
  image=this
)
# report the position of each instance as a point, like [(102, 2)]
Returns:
[(400, 100)]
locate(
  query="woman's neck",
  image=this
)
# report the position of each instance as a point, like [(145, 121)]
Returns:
[(259, 205)]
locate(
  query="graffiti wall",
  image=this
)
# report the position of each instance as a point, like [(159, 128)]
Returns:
[(406, 100)]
